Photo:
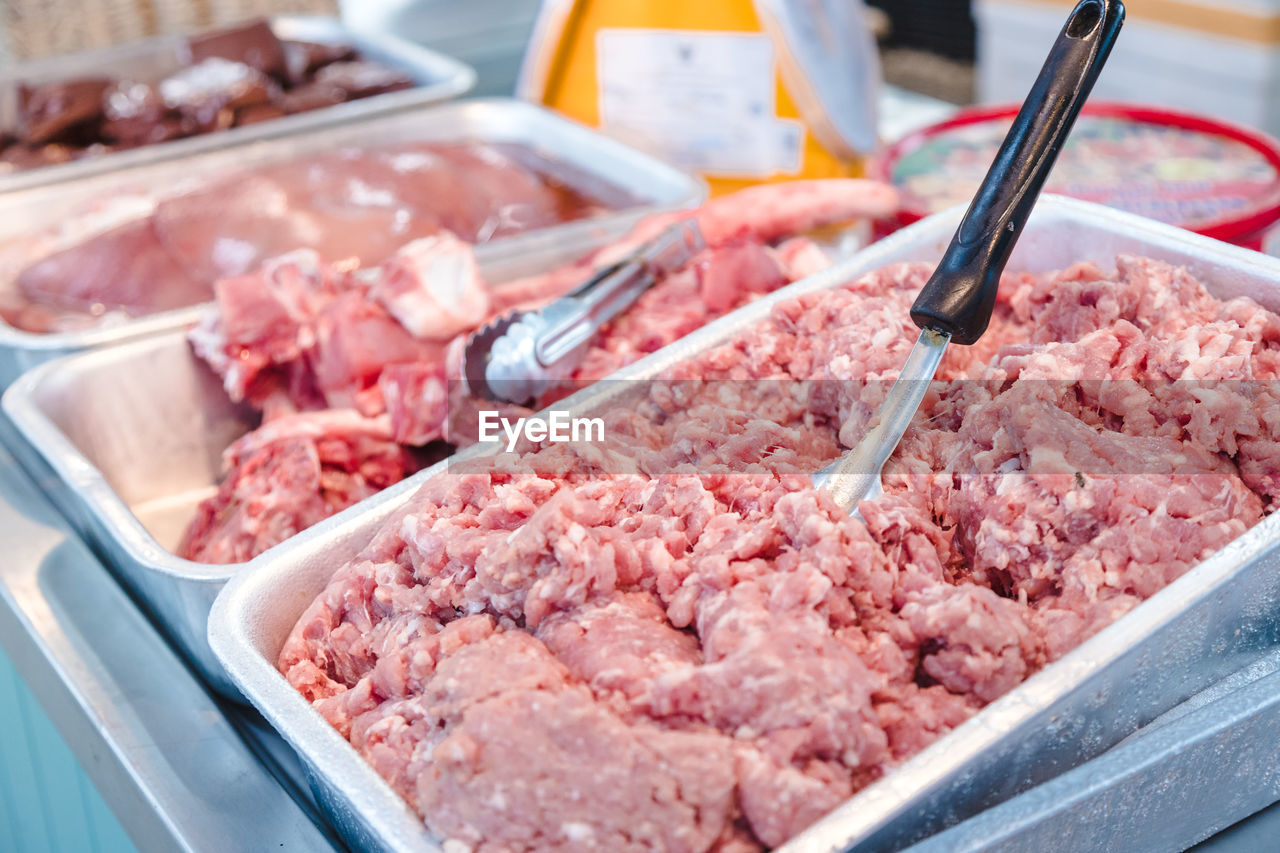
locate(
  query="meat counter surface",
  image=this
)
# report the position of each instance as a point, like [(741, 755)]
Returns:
[(179, 769)]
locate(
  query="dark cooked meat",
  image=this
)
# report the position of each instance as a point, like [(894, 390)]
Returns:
[(235, 76), (503, 643), (47, 112), (252, 44)]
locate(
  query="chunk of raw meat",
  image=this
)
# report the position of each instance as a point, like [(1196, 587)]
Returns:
[(417, 399), (228, 229), (355, 339), (287, 475), (433, 288)]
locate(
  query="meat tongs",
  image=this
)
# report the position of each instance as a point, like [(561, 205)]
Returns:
[(521, 355), (957, 301)]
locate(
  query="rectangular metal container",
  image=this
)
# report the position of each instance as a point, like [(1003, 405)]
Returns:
[(120, 196), (1203, 626), (437, 78), (1191, 773), (127, 440)]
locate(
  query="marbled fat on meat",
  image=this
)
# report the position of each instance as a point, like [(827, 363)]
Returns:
[(673, 641)]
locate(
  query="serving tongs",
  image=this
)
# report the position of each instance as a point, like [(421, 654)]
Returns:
[(522, 355), (957, 301)]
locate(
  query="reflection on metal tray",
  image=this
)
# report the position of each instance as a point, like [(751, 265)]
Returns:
[(1198, 629), (180, 770), (129, 440), (437, 77), (1193, 771), (569, 149)]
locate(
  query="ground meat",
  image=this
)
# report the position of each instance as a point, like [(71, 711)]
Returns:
[(620, 647), (671, 640), (289, 474)]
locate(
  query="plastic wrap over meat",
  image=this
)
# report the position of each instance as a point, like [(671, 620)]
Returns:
[(299, 335), (733, 654)]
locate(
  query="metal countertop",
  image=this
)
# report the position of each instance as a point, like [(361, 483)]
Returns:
[(180, 769)]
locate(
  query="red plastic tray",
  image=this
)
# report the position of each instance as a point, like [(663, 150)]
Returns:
[(1245, 229)]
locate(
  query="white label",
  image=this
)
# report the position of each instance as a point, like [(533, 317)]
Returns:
[(557, 427), (702, 101)]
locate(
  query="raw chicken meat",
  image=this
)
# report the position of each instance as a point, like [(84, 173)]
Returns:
[(352, 203), (298, 335), (504, 642)]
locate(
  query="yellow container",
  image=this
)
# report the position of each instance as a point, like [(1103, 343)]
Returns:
[(741, 92)]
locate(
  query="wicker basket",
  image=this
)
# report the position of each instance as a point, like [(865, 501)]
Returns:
[(35, 28)]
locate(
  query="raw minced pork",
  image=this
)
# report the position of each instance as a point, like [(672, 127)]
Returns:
[(673, 641)]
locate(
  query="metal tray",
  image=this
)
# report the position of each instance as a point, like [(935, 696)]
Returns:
[(1203, 626), (128, 440), (1191, 773), (179, 769), (437, 78), (97, 203)]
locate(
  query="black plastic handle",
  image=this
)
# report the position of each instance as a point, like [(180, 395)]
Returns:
[(961, 293)]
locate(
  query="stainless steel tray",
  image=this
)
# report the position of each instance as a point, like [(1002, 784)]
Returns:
[(119, 695), (106, 200), (1198, 629), (128, 439), (1195, 770), (180, 770), (437, 77)]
